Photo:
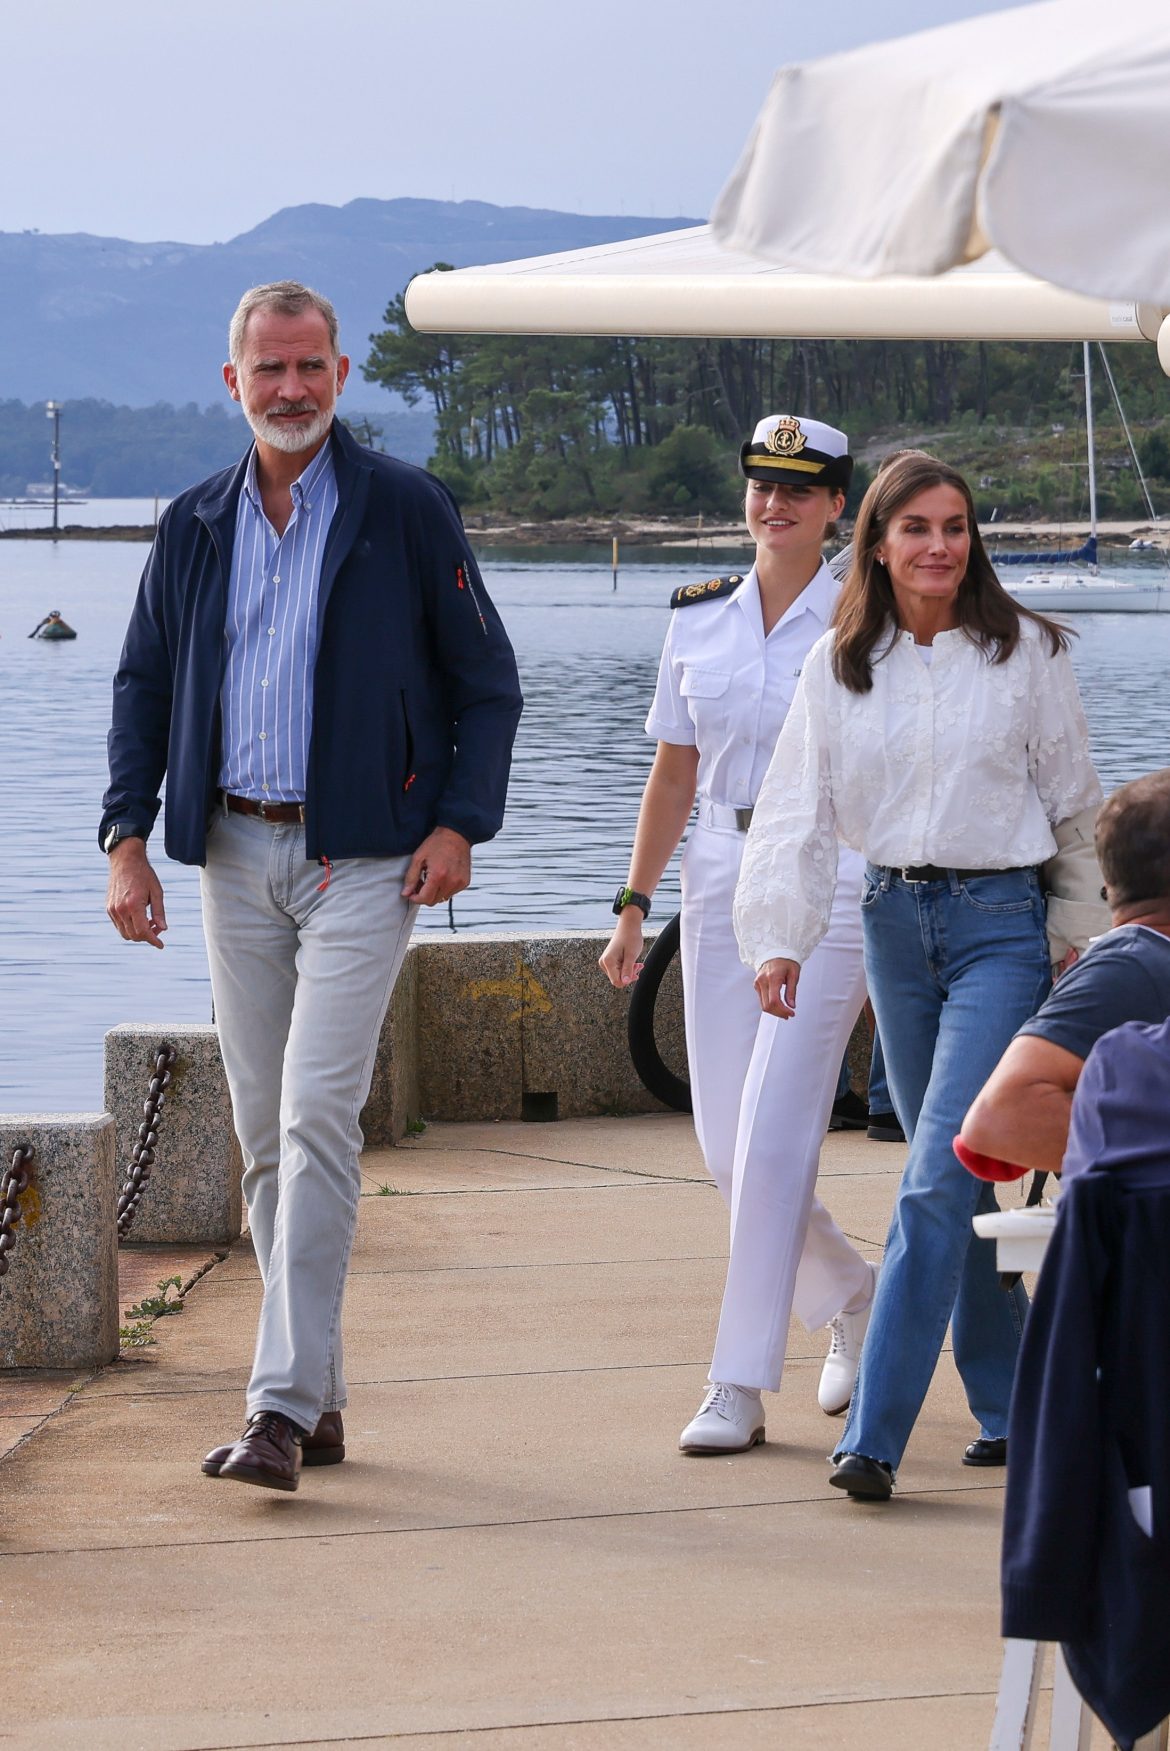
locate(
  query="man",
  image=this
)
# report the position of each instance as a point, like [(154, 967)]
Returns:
[(314, 663), (1022, 1114)]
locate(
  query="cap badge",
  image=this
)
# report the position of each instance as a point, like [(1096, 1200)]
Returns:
[(786, 438)]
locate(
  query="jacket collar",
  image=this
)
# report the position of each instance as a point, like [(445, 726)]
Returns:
[(218, 505), (353, 471), (817, 598)]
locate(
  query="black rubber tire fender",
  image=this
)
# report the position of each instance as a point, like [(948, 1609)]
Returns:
[(663, 1084)]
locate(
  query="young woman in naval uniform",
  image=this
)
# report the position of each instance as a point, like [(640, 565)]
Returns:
[(761, 1090)]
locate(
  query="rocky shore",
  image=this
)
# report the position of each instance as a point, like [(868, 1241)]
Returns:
[(688, 533)]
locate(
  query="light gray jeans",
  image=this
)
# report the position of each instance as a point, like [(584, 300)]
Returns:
[(301, 975)]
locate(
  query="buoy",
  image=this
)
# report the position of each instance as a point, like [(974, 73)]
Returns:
[(53, 627)]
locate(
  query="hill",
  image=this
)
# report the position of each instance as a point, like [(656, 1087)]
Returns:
[(140, 323)]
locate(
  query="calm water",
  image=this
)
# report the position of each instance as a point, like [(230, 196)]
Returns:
[(587, 658), (89, 513)]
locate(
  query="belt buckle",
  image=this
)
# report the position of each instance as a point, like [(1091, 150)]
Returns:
[(743, 819), (262, 808), (910, 880)]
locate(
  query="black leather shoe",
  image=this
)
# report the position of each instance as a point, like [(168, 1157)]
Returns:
[(986, 1451), (850, 1113), (884, 1128), (268, 1453), (868, 1480), (325, 1446)]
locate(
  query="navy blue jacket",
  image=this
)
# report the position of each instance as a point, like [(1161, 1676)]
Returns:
[(1090, 1414), (415, 692)]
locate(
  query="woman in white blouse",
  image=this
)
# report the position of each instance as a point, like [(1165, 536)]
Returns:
[(761, 1093), (938, 730)]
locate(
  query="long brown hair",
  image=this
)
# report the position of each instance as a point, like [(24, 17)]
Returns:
[(866, 611)]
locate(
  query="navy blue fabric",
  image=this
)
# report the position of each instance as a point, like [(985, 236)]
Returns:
[(1123, 976), (1090, 1414), (416, 696)]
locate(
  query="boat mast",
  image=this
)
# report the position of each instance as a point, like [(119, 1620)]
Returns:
[(1092, 455)]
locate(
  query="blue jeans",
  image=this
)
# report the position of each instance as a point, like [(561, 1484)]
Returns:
[(880, 1100), (953, 970)]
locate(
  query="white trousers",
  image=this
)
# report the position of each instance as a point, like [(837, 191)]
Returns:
[(762, 1091), (301, 974)]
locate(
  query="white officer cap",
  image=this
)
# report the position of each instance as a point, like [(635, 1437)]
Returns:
[(791, 447)]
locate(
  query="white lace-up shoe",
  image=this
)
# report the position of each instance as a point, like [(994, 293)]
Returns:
[(729, 1420), (840, 1370)]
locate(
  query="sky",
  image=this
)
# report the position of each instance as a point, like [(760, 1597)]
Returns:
[(193, 120)]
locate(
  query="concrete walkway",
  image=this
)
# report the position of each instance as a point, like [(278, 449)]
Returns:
[(514, 1553)]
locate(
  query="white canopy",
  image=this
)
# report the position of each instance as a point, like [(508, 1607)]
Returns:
[(683, 283), (1043, 130)]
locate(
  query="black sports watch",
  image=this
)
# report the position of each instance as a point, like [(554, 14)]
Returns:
[(117, 832), (627, 896)]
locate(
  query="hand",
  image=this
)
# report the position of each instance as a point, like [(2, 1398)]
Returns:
[(1064, 965), (134, 896), (776, 984), (439, 868), (622, 961)]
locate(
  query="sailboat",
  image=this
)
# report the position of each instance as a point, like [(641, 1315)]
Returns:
[(1062, 591)]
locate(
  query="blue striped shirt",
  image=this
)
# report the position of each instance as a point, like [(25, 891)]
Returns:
[(271, 632)]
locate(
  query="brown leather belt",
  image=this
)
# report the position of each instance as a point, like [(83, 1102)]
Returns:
[(276, 813)]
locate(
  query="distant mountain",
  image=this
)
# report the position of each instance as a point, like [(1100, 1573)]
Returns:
[(139, 323)]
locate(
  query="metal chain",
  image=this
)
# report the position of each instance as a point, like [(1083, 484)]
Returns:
[(16, 1180), (142, 1157)]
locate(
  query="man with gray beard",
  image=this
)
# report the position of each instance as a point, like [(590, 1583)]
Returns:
[(314, 664)]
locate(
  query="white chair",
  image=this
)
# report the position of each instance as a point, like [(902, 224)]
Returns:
[(1072, 1721)]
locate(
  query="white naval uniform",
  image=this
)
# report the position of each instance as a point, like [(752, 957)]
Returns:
[(762, 1089)]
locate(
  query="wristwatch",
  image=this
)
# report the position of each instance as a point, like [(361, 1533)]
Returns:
[(117, 832), (627, 896)]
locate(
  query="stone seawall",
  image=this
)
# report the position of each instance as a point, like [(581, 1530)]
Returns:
[(508, 1026)]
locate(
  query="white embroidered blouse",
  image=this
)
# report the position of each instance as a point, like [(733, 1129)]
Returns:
[(961, 762)]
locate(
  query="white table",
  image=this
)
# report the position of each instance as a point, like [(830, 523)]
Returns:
[(1021, 1236)]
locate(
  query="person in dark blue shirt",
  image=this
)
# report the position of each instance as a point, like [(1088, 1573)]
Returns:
[(1021, 1115)]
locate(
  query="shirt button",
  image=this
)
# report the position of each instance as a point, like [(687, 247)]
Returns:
[(276, 578), (263, 735), (264, 787), (272, 632), (263, 683)]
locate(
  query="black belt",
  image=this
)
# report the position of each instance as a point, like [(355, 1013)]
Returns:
[(930, 872), (277, 813)]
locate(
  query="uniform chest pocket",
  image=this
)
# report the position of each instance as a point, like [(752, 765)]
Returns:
[(704, 683)]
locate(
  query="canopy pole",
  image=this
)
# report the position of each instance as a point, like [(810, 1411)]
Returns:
[(1092, 450)]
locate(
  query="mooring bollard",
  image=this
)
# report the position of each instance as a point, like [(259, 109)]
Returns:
[(59, 1297), (193, 1196)]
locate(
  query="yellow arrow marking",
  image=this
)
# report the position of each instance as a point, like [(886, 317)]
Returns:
[(524, 989)]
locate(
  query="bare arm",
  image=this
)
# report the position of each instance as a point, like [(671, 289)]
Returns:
[(1022, 1112), (667, 802)]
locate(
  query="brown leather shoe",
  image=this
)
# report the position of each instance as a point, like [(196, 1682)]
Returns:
[(268, 1453), (325, 1446)]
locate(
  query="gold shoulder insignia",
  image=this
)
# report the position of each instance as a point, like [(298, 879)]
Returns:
[(711, 591)]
